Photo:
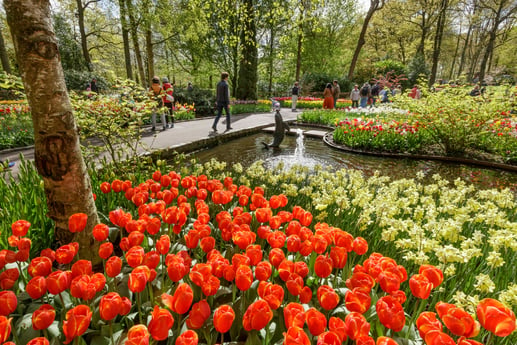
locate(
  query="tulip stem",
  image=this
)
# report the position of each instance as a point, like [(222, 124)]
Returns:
[(111, 332), (139, 302), (489, 341)]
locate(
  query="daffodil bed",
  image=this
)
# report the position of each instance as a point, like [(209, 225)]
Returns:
[(210, 254)]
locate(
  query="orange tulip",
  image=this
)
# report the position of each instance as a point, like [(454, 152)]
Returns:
[(20, 228), (305, 295), (8, 302), (389, 281), (296, 336), (160, 324), (182, 299), (457, 320), (77, 321), (465, 341), (385, 341), (36, 341), (338, 326), (434, 274), (43, 317), (360, 246), (426, 322), (243, 277), (110, 306), (495, 317), (356, 325), (360, 280), (358, 300), (40, 266), (323, 266), (113, 266), (138, 335), (273, 294), (198, 315), (138, 278), (36, 287), (8, 278), (294, 315), (420, 286), (189, 337), (327, 297), (436, 337), (390, 313), (65, 254), (364, 340), (58, 281), (5, 328), (223, 318), (257, 316), (316, 321), (77, 222)]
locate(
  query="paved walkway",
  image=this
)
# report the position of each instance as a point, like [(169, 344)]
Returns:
[(185, 136)]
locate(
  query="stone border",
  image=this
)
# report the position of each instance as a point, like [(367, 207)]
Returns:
[(329, 140)]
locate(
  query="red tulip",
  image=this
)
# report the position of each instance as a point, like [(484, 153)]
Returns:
[(276, 256), (105, 187), (390, 313), (243, 278), (163, 244), (360, 280), (138, 278), (338, 326), (263, 270), (296, 336), (5, 328), (40, 266), (389, 281), (77, 222), (426, 322), (436, 337), (189, 337), (338, 256), (207, 244), (37, 341), (358, 300), (77, 321), (329, 338), (110, 306), (364, 340), (434, 274), (327, 297), (285, 269), (160, 324), (323, 266), (113, 266), (420, 286), (182, 299), (138, 335), (43, 317), (457, 320), (58, 281), (211, 286), (360, 246), (20, 228), (81, 267), (36, 287), (65, 254), (273, 294), (316, 321), (8, 278), (254, 252), (135, 256), (386, 341), (495, 317), (105, 250), (465, 341), (305, 295), (8, 302), (223, 318), (257, 316), (294, 315), (198, 315), (356, 325)]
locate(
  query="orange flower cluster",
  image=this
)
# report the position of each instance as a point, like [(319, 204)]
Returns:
[(214, 250)]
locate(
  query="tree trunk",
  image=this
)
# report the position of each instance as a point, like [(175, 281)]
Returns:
[(3, 54), (299, 52), (375, 5), (464, 51), (82, 32), (438, 40), (134, 36), (270, 65), (125, 38), (150, 53), (56, 141), (489, 48), (248, 77)]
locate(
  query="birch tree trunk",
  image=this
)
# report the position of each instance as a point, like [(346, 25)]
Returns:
[(58, 156)]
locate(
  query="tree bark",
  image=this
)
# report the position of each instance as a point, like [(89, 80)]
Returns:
[(464, 51), (125, 38), (58, 155), (438, 40), (270, 62), (82, 32), (375, 5), (3, 54), (134, 37), (248, 76), (299, 52), (150, 54)]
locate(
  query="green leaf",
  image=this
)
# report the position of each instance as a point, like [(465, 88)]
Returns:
[(253, 339)]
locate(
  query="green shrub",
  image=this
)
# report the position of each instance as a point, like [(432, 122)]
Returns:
[(249, 107), (203, 100)]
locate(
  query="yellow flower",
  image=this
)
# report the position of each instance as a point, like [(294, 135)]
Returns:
[(484, 284)]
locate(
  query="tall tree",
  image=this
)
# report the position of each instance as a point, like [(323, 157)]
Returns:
[(125, 38), (375, 5), (133, 24), (81, 8), (440, 24), (248, 76), (500, 11), (56, 141), (3, 54)]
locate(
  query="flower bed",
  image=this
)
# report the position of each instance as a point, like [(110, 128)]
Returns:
[(194, 258), (311, 102), (15, 125)]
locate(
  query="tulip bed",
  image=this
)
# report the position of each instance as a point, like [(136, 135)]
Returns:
[(15, 125), (311, 102), (190, 258)]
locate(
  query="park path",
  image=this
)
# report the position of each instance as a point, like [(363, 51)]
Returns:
[(185, 136)]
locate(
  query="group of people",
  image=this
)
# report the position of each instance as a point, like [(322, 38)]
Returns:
[(330, 95), (162, 94)]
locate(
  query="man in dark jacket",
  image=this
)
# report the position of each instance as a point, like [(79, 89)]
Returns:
[(222, 100)]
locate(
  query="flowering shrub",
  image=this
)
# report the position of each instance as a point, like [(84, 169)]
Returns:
[(311, 102), (247, 107), (193, 258), (184, 111), (15, 124)]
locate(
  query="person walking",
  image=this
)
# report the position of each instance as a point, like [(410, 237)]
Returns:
[(222, 99), (328, 99), (168, 102), (376, 88), (365, 94), (156, 94), (295, 92), (336, 90), (354, 96)]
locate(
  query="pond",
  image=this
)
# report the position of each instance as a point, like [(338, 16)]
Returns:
[(308, 151)]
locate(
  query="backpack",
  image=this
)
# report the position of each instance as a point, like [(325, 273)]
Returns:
[(364, 91)]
